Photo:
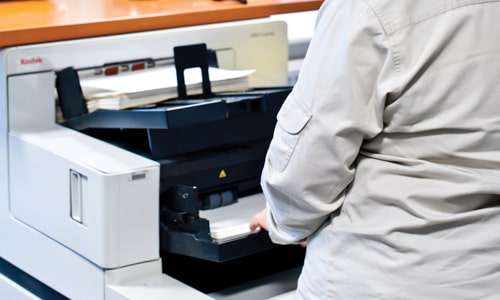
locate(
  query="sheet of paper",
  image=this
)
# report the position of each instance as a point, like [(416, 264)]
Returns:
[(157, 78)]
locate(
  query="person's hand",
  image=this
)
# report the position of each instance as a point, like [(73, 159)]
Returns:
[(259, 221)]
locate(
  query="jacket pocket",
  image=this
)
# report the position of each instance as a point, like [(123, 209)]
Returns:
[(292, 119)]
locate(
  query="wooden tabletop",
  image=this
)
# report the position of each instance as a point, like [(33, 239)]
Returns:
[(34, 21)]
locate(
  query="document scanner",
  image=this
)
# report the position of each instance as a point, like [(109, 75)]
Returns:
[(122, 204)]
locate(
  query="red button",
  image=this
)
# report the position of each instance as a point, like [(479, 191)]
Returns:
[(111, 70), (138, 66)]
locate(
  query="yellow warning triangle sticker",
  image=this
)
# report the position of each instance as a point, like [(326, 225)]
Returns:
[(222, 174)]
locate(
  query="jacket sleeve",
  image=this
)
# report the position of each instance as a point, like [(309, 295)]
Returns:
[(337, 102)]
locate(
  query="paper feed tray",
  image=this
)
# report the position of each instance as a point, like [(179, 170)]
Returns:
[(195, 125)]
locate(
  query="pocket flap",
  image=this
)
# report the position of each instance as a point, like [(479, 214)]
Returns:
[(293, 115)]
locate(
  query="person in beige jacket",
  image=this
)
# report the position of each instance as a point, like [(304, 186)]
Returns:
[(386, 154)]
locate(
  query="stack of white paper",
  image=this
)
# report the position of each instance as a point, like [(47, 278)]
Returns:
[(149, 86), (232, 221)]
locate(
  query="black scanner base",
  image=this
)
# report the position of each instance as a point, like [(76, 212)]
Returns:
[(207, 276)]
